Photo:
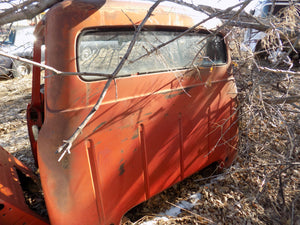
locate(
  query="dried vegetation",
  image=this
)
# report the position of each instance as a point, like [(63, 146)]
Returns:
[(262, 186)]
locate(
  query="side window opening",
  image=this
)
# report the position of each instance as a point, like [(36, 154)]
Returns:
[(102, 51), (33, 195)]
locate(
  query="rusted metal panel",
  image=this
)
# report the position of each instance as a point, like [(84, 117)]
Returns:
[(35, 110), (13, 208), (156, 132)]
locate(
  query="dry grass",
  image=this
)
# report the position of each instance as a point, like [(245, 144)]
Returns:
[(15, 94)]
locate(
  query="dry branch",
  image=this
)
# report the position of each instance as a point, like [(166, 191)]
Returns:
[(67, 144), (289, 99), (52, 69), (16, 7), (267, 133), (244, 20), (65, 148), (229, 9), (29, 10), (289, 72)]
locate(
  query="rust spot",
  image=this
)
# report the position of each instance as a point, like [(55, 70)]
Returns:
[(99, 126), (174, 94), (156, 113), (124, 127), (121, 169), (135, 135), (77, 99), (125, 139), (65, 162)]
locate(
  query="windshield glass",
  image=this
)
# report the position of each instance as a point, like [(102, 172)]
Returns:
[(101, 52)]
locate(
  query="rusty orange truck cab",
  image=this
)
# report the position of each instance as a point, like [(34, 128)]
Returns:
[(165, 116)]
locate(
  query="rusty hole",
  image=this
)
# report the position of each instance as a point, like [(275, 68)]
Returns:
[(34, 115), (33, 194), (1, 206)]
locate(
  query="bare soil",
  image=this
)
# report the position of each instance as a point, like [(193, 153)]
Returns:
[(15, 94)]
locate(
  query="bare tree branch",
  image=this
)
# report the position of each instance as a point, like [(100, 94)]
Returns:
[(66, 147), (266, 69), (190, 29), (16, 8), (32, 9), (252, 25), (55, 71), (289, 99)]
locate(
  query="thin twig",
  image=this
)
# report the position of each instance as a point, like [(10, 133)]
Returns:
[(289, 99), (266, 69), (29, 62), (184, 32), (52, 69)]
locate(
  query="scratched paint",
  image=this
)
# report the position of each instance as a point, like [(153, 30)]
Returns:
[(174, 95), (135, 135), (98, 127), (121, 169), (124, 127), (99, 142), (125, 139)]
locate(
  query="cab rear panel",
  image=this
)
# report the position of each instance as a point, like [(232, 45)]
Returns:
[(154, 128)]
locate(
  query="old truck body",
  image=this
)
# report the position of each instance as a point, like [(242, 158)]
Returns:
[(165, 117)]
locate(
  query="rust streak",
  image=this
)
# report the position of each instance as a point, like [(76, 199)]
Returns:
[(95, 179), (145, 161), (181, 145)]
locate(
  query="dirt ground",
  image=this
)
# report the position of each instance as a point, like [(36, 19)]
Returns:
[(261, 187), (15, 94)]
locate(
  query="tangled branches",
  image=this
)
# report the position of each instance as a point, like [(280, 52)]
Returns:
[(269, 118)]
